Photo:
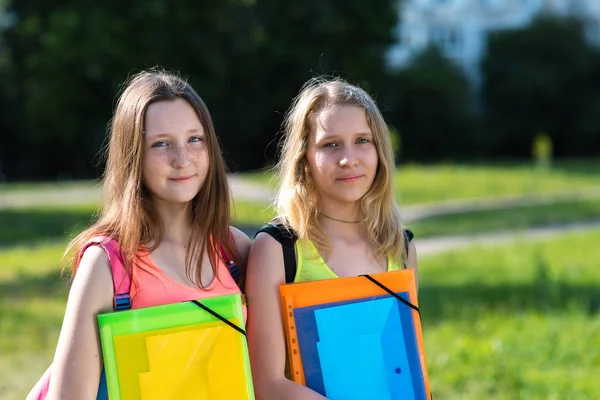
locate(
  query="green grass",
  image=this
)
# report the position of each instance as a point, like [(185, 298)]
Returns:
[(514, 322), (417, 184), (39, 223), (264, 177), (253, 214), (25, 187), (27, 224), (52, 223), (423, 184), (522, 217), (517, 218), (32, 302)]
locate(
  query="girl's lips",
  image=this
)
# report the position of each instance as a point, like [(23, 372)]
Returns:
[(349, 179), (181, 178)]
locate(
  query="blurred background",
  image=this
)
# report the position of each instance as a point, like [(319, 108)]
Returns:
[(494, 109)]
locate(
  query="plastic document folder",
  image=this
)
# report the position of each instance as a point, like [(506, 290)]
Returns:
[(349, 339), (177, 351)]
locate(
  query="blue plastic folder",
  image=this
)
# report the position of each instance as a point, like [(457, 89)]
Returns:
[(360, 349)]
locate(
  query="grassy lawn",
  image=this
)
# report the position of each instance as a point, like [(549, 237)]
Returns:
[(514, 322), (28, 224), (510, 218), (24, 187), (32, 302), (417, 184), (54, 222), (39, 223), (423, 184)]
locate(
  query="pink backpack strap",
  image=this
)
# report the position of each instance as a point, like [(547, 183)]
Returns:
[(122, 300), (121, 279)]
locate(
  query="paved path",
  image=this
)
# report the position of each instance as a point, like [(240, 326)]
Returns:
[(243, 189), (54, 195), (430, 246), (439, 244), (70, 194), (413, 213)]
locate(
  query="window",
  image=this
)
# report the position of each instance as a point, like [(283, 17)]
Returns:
[(493, 5), (450, 39)]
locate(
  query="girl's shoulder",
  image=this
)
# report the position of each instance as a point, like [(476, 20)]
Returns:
[(241, 240), (92, 285)]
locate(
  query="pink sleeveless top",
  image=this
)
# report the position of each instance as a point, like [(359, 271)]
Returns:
[(151, 286)]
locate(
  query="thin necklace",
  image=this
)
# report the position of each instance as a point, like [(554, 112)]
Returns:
[(340, 220)]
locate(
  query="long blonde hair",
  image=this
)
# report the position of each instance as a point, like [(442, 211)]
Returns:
[(128, 215), (296, 201)]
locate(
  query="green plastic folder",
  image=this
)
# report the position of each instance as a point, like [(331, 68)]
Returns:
[(177, 351)]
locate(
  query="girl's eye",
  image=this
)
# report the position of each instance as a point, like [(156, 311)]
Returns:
[(161, 143), (363, 140), (196, 139), (330, 145)]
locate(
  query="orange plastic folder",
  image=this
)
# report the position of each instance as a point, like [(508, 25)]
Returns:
[(349, 339), (177, 351)]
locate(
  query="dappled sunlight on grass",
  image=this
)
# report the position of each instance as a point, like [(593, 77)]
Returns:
[(515, 321)]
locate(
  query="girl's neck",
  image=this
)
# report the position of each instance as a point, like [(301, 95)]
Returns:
[(341, 219), (177, 222)]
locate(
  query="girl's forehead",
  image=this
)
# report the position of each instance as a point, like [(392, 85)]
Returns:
[(341, 120)]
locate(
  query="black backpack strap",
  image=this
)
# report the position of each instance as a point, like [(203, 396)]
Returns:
[(408, 236), (287, 238)]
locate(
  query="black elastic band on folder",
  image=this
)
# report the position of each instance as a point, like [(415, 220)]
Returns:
[(408, 303), (219, 316), (381, 285)]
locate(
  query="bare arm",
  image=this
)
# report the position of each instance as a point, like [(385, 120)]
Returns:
[(242, 246), (266, 337), (411, 262), (78, 358)]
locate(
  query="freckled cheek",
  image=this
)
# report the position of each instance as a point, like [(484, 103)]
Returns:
[(154, 167), (155, 161), (197, 155)]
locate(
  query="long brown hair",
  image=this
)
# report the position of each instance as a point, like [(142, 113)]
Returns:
[(128, 215), (297, 198)]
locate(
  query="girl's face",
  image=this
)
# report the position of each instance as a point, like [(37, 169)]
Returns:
[(175, 161), (341, 156)]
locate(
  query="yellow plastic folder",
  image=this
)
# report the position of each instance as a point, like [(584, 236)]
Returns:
[(177, 351)]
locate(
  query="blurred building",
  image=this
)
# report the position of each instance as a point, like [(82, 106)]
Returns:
[(460, 27), (5, 21)]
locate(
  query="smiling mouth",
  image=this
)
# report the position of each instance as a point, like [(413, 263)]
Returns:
[(181, 178), (350, 179)]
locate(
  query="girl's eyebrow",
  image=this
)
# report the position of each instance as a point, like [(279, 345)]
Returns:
[(335, 136), (193, 131)]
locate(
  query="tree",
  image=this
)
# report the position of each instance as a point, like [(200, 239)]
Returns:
[(246, 58), (429, 103), (542, 78)]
